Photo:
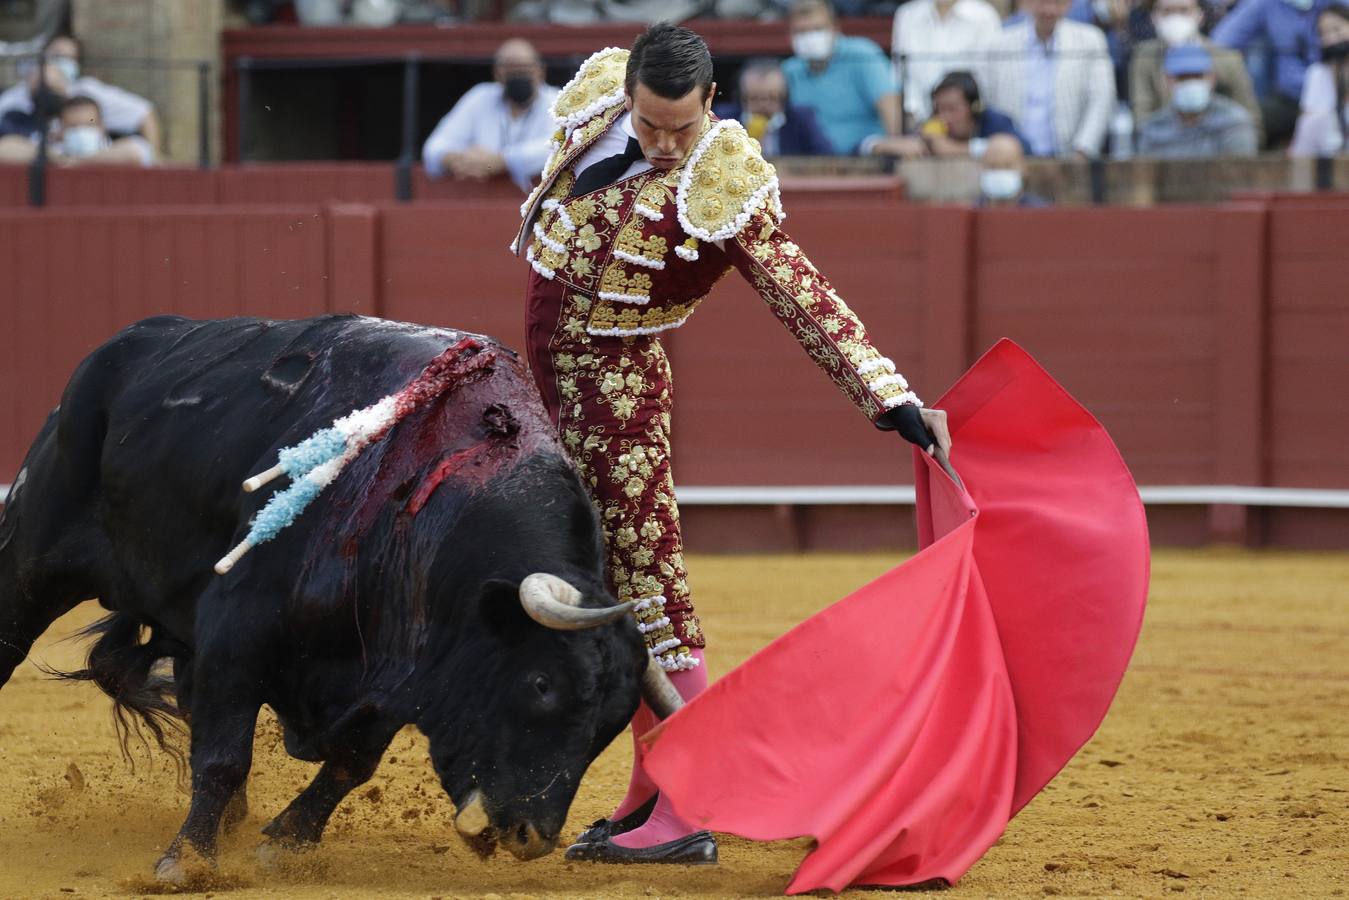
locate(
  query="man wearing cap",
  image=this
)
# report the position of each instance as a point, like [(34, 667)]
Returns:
[(1196, 123)]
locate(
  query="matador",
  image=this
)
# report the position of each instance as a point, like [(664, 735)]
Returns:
[(645, 203)]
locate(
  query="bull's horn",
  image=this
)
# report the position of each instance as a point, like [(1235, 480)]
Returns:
[(472, 819), (659, 692), (552, 602)]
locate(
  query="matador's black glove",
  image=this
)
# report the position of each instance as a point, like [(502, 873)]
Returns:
[(907, 419)]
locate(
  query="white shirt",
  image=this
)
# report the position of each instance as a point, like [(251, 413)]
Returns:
[(482, 118), (926, 47), (123, 112), (612, 143)]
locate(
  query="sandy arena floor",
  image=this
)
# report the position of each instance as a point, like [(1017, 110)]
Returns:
[(1222, 770)]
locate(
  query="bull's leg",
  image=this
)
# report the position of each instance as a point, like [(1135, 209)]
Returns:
[(302, 823), (27, 608), (224, 713)]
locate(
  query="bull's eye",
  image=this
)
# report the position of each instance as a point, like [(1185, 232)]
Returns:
[(543, 685)]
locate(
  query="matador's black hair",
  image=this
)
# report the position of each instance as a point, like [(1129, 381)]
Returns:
[(671, 61)]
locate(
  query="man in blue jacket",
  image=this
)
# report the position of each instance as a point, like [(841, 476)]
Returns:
[(1290, 28)]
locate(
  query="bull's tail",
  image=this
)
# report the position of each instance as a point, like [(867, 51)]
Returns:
[(123, 667)]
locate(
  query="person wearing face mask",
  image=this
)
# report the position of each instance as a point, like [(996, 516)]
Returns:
[(1289, 26), (1002, 179), (1177, 24), (781, 127), (501, 127), (1196, 123), (123, 112), (847, 81), (1324, 122), (84, 140)]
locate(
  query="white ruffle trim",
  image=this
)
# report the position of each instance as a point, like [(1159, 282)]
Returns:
[(562, 216), (668, 644), (647, 212), (639, 260), (646, 603), (627, 332), (769, 188), (678, 663), (878, 364), (908, 397), (515, 246), (538, 266), (886, 380), (635, 299), (594, 108), (653, 626), (685, 253), (555, 246)]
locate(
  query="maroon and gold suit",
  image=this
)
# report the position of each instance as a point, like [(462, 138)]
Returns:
[(614, 268)]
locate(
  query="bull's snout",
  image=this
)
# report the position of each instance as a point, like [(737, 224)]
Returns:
[(523, 840), (525, 843)]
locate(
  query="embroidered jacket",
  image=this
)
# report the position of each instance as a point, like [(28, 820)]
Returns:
[(650, 247)]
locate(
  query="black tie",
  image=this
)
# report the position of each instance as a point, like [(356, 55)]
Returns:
[(607, 170)]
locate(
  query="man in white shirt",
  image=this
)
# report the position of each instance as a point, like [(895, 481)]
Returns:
[(123, 113), (934, 37), (501, 127), (1055, 78)]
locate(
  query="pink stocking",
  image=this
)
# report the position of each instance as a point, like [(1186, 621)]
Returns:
[(663, 825)]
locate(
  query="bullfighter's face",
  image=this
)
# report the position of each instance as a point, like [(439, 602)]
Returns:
[(668, 129)]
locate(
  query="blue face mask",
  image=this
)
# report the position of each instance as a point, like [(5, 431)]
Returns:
[(1192, 95)]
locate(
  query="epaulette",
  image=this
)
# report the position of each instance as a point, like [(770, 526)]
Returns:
[(597, 85), (725, 181)]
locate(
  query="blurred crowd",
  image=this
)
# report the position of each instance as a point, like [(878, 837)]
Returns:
[(1166, 79), (84, 121)]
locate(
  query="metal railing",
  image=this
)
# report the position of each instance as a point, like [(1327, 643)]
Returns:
[(37, 170)]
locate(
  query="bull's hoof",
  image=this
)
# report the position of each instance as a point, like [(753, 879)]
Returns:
[(183, 866), (697, 849), (277, 855), (170, 870)]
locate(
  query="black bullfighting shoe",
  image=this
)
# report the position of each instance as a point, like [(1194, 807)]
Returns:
[(603, 829), (697, 849)]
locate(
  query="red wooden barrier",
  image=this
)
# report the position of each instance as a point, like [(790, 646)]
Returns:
[(1209, 340)]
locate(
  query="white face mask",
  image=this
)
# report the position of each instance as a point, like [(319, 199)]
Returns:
[(1176, 29), (813, 46), (69, 67), (82, 140), (1000, 184), (1192, 95)]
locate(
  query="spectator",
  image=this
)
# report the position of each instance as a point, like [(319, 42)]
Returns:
[(1177, 23), (961, 124), (84, 140), (1002, 181), (1054, 77), (933, 37), (1289, 26), (782, 127), (1324, 120), (122, 112), (1196, 123), (847, 81), (501, 127)]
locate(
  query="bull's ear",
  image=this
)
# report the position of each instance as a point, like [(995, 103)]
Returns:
[(500, 609)]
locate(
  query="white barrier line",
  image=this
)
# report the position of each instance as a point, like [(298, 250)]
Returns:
[(893, 494)]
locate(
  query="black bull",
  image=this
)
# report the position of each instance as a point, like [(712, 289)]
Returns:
[(401, 596)]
